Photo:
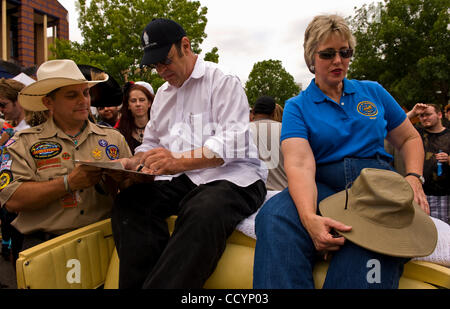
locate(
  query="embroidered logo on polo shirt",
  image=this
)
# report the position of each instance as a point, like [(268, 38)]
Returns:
[(367, 108), (45, 150)]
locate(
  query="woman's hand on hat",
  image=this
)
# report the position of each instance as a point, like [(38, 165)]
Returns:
[(419, 196), (320, 229)]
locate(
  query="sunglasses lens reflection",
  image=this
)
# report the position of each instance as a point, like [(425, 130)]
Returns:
[(330, 54)]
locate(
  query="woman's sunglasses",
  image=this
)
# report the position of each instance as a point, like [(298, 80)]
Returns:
[(331, 53)]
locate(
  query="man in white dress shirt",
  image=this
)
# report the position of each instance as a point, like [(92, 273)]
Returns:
[(198, 136)]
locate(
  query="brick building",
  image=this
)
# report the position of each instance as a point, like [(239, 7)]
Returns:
[(28, 27)]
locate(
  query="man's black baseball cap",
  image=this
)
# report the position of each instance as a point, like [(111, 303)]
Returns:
[(264, 105), (157, 39)]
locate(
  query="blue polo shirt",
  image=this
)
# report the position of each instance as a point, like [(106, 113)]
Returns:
[(354, 127)]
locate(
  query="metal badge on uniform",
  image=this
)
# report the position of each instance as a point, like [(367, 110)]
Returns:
[(45, 150), (112, 151), (97, 153), (5, 178), (103, 143), (65, 156)]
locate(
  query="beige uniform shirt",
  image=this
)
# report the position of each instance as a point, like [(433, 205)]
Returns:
[(44, 153)]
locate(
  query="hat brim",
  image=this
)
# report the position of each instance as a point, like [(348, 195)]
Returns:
[(417, 239), (106, 94), (30, 98), (152, 56)]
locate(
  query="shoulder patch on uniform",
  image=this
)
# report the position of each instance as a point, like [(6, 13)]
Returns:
[(5, 178), (112, 151), (10, 142)]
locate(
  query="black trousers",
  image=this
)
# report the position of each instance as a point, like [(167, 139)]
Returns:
[(207, 215), (9, 233)]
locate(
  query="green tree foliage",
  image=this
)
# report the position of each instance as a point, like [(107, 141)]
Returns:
[(212, 56), (270, 78), (404, 45), (111, 31)]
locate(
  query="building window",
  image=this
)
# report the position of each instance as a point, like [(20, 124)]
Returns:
[(13, 38)]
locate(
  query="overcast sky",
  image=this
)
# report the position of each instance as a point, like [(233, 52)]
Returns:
[(249, 31)]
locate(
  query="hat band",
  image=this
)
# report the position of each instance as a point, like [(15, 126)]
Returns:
[(346, 193), (34, 95)]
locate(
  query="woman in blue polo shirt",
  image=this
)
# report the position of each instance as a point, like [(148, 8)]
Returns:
[(330, 132)]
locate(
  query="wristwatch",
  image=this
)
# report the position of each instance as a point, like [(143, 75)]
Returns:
[(421, 178)]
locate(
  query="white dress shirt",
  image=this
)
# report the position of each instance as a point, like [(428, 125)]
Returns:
[(21, 126), (209, 110)]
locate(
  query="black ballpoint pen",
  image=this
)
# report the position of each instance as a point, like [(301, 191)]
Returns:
[(141, 166)]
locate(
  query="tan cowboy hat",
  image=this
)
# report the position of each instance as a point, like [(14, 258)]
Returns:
[(52, 75), (383, 215)]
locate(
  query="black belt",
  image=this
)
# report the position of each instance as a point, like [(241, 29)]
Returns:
[(41, 235)]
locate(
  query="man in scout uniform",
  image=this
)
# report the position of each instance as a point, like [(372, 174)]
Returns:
[(51, 194)]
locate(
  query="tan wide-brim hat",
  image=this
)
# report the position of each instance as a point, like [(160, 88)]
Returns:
[(52, 75), (383, 215)]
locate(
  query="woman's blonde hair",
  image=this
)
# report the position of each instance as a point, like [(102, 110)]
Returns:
[(319, 29)]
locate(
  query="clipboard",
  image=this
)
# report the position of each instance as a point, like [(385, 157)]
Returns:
[(112, 165)]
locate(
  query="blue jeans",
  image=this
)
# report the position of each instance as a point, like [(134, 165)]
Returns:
[(285, 254)]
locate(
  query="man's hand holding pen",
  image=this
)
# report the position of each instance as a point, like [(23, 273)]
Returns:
[(160, 161), (127, 179)]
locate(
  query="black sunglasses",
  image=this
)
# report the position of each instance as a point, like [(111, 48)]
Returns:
[(166, 61), (331, 53)]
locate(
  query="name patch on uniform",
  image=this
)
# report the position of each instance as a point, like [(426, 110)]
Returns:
[(45, 150), (367, 108), (5, 178), (112, 151), (48, 163)]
